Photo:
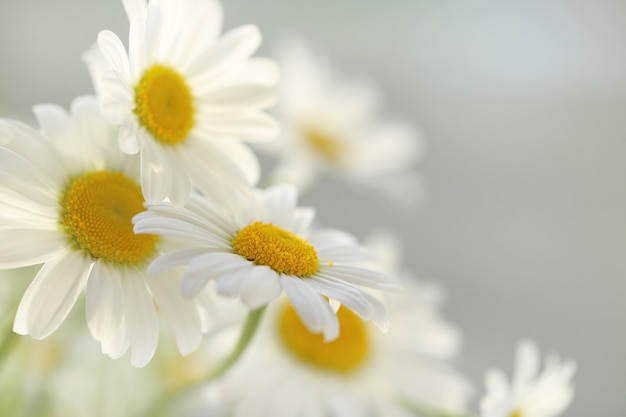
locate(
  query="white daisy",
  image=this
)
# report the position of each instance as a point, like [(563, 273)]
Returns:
[(362, 373), (184, 97), (530, 394), (67, 199), (330, 126), (265, 246)]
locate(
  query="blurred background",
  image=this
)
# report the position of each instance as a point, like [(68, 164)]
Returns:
[(522, 105)]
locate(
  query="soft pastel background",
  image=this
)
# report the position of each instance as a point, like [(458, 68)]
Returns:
[(523, 106)]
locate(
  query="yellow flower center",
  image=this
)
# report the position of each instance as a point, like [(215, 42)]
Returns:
[(343, 354), (97, 214), (328, 147), (284, 252), (163, 104), (516, 414)]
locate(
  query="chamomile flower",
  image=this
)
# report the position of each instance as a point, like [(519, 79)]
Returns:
[(184, 97), (330, 126), (67, 198), (265, 246), (530, 393), (361, 373)]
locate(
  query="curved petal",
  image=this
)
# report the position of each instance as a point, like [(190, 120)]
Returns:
[(312, 308), (141, 318), (104, 304), (22, 247), (52, 294), (181, 313)]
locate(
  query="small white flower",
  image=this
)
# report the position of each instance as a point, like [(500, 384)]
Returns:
[(67, 197), (184, 97), (264, 247), (530, 394), (330, 126)]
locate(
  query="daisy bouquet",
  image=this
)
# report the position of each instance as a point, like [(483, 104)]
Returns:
[(139, 210)]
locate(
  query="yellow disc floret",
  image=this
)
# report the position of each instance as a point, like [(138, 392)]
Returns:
[(164, 105), (97, 213), (328, 147), (343, 354), (281, 250)]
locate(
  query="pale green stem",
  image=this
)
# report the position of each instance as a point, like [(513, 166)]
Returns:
[(247, 333), (9, 339)]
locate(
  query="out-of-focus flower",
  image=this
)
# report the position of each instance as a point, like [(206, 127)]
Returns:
[(265, 246), (362, 372), (67, 197), (184, 97), (530, 394), (330, 125)]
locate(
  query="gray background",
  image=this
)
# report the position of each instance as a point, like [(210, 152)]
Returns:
[(523, 106)]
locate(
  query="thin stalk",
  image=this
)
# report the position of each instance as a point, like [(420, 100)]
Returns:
[(245, 337)]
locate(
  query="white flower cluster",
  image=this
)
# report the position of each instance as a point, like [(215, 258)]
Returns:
[(142, 205)]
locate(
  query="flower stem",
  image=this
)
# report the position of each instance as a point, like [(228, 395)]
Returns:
[(9, 338), (245, 337), (247, 333)]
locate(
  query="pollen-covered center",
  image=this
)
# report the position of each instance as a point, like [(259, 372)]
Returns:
[(281, 250), (164, 105), (97, 213), (328, 147), (343, 354)]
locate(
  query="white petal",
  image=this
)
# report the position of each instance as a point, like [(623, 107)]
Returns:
[(115, 54), (526, 363), (312, 308), (231, 282), (180, 312), (127, 139), (173, 259), (244, 96), (23, 247), (141, 319), (52, 294), (260, 286), (52, 118), (251, 126), (135, 9), (361, 302), (261, 71), (234, 47), (361, 276), (153, 176), (208, 266), (281, 200), (104, 303)]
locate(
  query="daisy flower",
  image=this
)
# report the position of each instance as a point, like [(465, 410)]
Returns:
[(330, 126), (67, 200), (184, 97), (530, 394), (265, 246), (361, 373)]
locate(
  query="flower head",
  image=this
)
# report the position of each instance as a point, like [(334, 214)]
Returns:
[(68, 198), (184, 97), (331, 126), (265, 246), (530, 394), (362, 372)]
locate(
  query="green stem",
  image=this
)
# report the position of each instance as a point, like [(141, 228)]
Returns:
[(8, 341), (245, 337)]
